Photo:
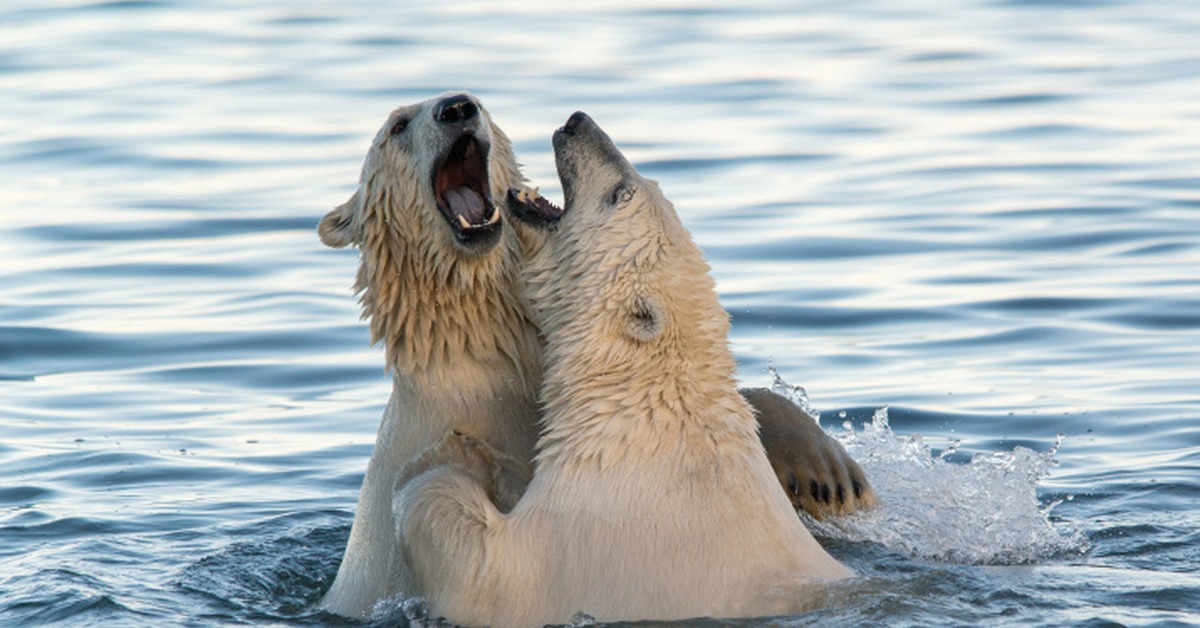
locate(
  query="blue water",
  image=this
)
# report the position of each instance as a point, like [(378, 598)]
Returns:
[(983, 216)]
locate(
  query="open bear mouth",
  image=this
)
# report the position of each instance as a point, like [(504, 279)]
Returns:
[(463, 192), (532, 208)]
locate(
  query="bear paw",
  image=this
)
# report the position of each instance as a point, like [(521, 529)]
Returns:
[(816, 472), (501, 476)]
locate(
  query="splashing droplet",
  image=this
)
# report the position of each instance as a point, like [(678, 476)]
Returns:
[(796, 394), (982, 512)]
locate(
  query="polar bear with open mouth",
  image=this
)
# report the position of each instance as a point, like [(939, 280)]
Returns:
[(441, 286)]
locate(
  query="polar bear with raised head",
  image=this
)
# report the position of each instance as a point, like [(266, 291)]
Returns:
[(652, 497)]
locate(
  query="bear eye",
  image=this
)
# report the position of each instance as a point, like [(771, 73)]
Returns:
[(623, 194), (399, 126)]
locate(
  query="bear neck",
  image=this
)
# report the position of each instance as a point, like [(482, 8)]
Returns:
[(448, 322), (667, 404)]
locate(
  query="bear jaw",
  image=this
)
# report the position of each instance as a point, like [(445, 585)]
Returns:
[(462, 192)]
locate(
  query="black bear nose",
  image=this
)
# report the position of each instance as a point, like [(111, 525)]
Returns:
[(573, 123), (455, 109)]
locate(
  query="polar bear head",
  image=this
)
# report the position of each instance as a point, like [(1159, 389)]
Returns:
[(620, 280), (436, 262), (428, 182)]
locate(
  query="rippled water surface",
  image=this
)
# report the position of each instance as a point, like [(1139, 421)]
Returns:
[(984, 216)]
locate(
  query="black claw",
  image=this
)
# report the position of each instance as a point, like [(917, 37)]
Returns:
[(825, 493), (841, 494), (814, 490), (857, 489), (793, 483)]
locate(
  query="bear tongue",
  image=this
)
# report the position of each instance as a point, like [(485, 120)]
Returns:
[(465, 204)]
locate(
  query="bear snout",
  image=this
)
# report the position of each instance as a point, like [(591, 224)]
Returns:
[(573, 123), (456, 108)]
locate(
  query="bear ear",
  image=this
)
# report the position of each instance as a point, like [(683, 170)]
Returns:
[(338, 228), (647, 318)]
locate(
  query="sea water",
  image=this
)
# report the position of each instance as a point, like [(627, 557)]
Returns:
[(970, 231)]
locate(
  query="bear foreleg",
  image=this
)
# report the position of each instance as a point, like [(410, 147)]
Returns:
[(445, 518)]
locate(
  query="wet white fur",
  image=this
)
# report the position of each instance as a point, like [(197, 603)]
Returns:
[(653, 497), (460, 344)]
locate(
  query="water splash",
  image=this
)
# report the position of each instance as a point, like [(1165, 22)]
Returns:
[(983, 512), (794, 392), (401, 610)]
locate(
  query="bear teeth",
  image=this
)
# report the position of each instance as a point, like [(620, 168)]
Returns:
[(528, 195), (493, 219)]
